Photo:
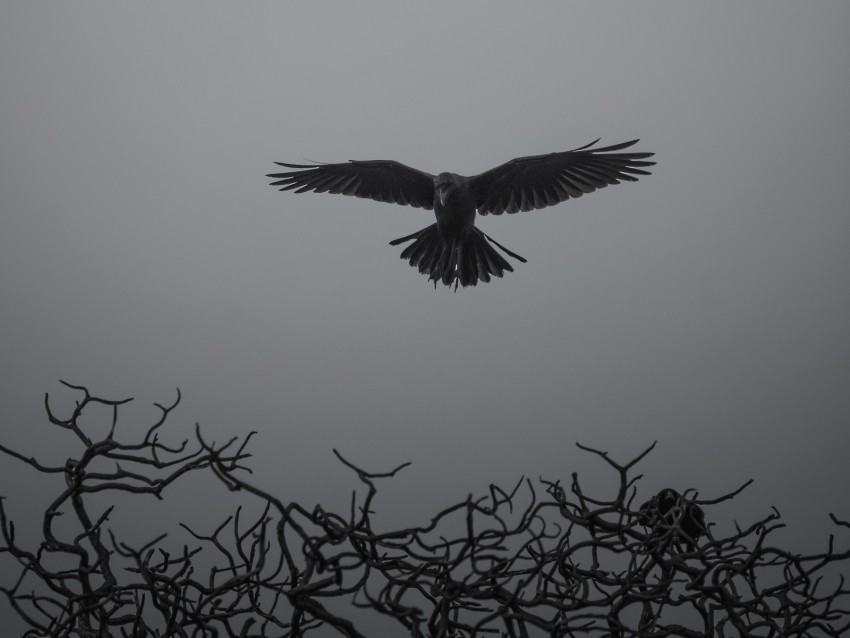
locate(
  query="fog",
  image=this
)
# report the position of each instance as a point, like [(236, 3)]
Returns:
[(705, 306)]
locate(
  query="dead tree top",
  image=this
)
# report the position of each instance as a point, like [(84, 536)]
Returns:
[(536, 559)]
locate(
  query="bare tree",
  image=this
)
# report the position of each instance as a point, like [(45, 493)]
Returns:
[(537, 559)]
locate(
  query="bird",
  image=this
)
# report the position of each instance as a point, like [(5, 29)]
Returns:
[(453, 250), (668, 512)]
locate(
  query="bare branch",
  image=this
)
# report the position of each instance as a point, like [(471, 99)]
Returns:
[(538, 559)]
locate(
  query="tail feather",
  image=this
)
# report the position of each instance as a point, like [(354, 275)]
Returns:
[(481, 265), (452, 261), (512, 254), (449, 265), (416, 251), (468, 263), (496, 264), (422, 253), (401, 240)]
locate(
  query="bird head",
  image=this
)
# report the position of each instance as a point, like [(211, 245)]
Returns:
[(443, 184)]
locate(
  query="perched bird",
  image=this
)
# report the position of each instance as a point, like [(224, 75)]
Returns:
[(673, 519), (453, 250)]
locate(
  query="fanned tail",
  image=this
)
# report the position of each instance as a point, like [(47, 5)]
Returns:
[(464, 261)]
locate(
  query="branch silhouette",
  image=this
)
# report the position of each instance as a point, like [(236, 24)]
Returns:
[(538, 559)]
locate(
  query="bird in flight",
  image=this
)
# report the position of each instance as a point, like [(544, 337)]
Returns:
[(453, 251)]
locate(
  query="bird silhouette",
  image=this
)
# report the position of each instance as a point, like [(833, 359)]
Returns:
[(452, 250), (673, 519)]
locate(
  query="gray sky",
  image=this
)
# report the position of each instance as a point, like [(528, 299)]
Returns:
[(705, 306)]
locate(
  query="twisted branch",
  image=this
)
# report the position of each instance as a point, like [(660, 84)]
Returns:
[(535, 560)]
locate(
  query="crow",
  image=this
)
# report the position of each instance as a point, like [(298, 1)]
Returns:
[(453, 250), (674, 519)]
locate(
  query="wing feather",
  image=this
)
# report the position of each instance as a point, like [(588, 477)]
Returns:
[(538, 181), (380, 180)]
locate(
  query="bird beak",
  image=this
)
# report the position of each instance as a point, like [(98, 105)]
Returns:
[(441, 193)]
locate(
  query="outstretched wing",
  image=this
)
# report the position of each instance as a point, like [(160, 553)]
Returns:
[(526, 183), (381, 180)]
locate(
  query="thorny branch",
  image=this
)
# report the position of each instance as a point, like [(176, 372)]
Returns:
[(531, 561)]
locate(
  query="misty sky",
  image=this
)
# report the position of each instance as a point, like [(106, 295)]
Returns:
[(706, 306)]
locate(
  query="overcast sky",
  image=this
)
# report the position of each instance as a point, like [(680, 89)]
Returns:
[(706, 306)]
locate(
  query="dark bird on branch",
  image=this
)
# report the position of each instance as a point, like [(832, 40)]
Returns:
[(453, 250), (673, 519)]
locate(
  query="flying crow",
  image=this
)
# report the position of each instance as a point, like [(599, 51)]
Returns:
[(453, 250)]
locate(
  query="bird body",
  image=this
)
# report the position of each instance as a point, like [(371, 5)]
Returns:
[(452, 250), (454, 205), (673, 519)]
